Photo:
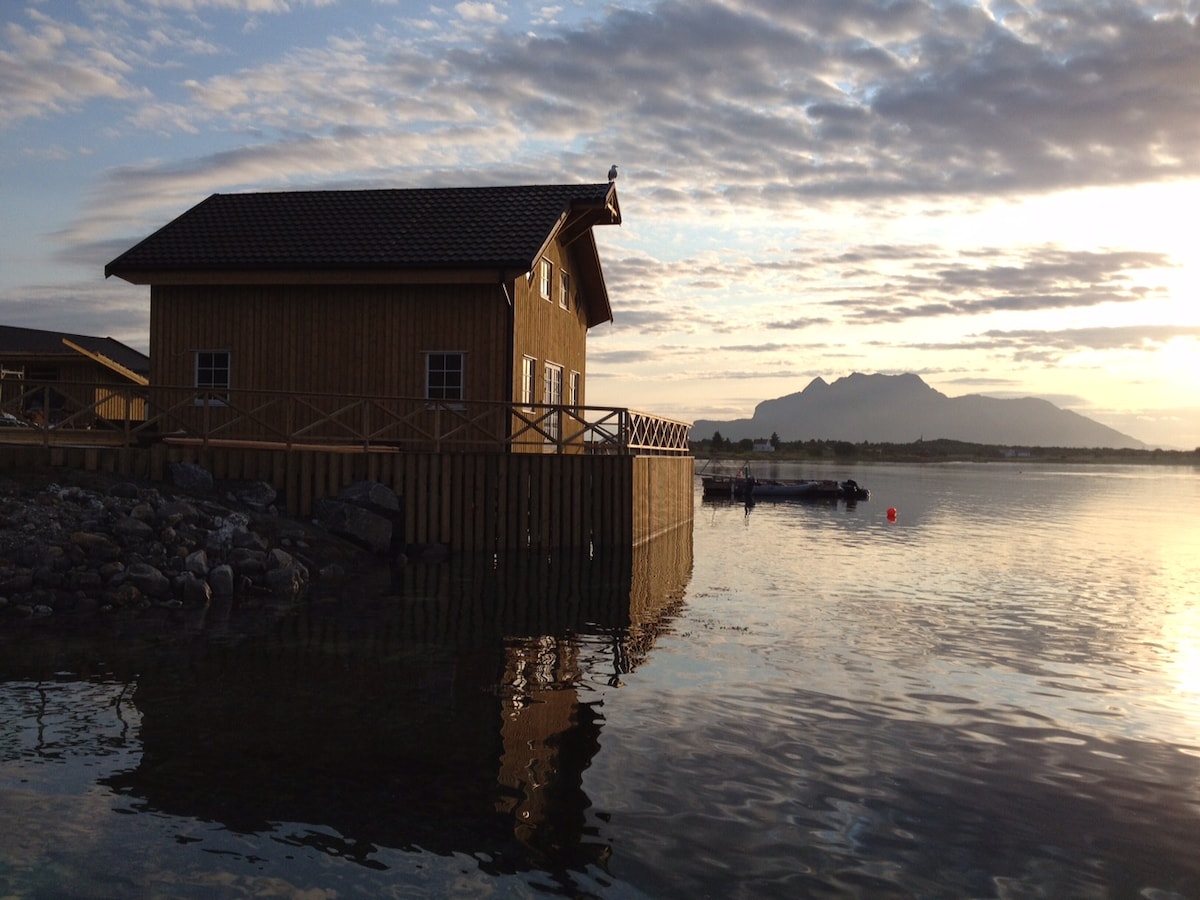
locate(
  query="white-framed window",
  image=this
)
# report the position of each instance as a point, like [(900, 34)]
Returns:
[(212, 377), (573, 390), (445, 375), (564, 289), (528, 370), (553, 392), (546, 279)]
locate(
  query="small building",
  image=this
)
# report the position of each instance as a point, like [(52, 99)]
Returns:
[(52, 376), (454, 296), (763, 445), (433, 340)]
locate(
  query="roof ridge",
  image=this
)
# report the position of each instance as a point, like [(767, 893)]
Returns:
[(458, 188), (499, 226)]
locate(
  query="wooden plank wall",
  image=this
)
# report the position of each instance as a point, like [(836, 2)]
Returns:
[(351, 340), (662, 494), (341, 340), (472, 502)]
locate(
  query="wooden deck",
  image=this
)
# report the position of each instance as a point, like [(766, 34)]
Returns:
[(55, 413)]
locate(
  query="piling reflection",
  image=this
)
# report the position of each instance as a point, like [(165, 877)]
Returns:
[(456, 716)]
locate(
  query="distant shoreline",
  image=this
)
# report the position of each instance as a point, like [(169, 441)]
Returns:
[(940, 451)]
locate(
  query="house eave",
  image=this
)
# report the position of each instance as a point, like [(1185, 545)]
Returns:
[(491, 274)]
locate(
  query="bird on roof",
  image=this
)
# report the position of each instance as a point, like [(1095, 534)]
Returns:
[(612, 173)]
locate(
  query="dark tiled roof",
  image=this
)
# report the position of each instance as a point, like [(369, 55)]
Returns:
[(36, 342), (454, 228)]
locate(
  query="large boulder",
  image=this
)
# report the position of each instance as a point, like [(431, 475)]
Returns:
[(221, 580), (191, 478), (371, 495), (364, 527), (246, 561), (194, 591), (149, 580), (368, 513), (286, 576), (131, 530), (177, 512), (258, 495), (99, 548), (196, 563)]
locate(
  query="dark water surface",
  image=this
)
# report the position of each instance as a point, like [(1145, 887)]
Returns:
[(996, 695)]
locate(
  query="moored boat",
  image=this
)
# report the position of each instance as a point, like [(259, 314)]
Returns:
[(744, 486)]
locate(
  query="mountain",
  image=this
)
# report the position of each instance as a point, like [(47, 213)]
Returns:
[(903, 408)]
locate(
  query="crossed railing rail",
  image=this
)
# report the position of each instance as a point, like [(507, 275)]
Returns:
[(82, 413)]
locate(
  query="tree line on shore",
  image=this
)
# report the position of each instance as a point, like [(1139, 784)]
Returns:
[(938, 450)]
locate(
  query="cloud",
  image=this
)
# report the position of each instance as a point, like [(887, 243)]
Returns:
[(762, 105), (481, 12), (1146, 338), (546, 15), (135, 198), (1037, 278), (50, 68), (114, 310), (242, 6), (775, 103), (1053, 347), (797, 324)]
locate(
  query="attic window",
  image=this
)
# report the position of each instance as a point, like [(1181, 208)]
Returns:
[(546, 281), (564, 290)]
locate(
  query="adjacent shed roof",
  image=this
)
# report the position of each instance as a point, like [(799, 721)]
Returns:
[(32, 343), (501, 228)]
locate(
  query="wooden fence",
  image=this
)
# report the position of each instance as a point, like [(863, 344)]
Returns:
[(478, 476), (471, 502), (54, 412)]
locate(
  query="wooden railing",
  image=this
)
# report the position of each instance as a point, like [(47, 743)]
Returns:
[(84, 413)]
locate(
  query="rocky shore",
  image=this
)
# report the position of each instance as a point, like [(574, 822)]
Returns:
[(74, 544)]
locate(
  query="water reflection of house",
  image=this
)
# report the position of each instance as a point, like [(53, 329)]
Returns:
[(549, 721), (449, 718)]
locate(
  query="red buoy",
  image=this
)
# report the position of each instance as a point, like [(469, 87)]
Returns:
[(891, 514)]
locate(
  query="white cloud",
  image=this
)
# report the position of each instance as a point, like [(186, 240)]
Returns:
[(242, 6), (49, 69), (480, 12)]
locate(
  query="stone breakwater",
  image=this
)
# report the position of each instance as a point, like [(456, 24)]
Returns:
[(83, 545)]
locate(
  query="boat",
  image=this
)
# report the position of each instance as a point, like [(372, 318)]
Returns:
[(744, 486)]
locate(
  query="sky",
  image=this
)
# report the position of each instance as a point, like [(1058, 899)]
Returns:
[(999, 196)]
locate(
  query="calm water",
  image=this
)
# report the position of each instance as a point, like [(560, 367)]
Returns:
[(996, 695)]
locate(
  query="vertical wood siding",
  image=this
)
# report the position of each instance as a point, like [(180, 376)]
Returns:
[(548, 333), (338, 339), (472, 502)]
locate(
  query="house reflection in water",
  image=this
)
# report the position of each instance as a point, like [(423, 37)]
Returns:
[(457, 716)]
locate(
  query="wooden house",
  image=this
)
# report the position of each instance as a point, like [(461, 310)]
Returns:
[(51, 377), (431, 339), (453, 297)]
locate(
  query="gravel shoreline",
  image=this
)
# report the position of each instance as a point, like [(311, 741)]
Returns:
[(76, 544)]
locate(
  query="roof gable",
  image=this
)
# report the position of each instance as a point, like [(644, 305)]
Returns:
[(491, 228)]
